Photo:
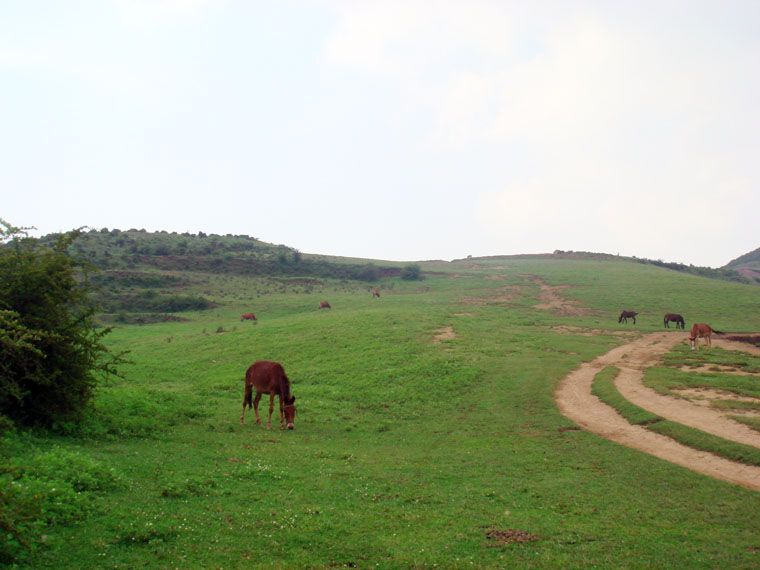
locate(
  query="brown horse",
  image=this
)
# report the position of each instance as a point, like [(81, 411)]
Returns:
[(674, 317), (267, 377), (375, 292), (247, 317), (702, 330), (625, 315), (324, 305)]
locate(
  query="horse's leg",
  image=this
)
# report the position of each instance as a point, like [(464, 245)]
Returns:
[(271, 409), (282, 415), (256, 407), (246, 400)]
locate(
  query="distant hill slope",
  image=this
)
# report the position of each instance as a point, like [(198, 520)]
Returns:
[(147, 276), (747, 265), (725, 273), (117, 250)]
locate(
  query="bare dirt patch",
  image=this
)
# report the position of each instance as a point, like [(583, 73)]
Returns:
[(581, 331), (551, 300), (444, 333), (575, 400), (707, 368), (709, 394), (510, 536)]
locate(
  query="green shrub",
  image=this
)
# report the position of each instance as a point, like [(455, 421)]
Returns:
[(411, 273), (50, 350)]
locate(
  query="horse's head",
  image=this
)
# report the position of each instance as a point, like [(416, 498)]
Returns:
[(692, 342), (290, 412)]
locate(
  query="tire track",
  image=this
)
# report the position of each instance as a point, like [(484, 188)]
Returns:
[(575, 400)]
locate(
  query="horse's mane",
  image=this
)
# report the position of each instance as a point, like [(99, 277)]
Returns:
[(285, 388)]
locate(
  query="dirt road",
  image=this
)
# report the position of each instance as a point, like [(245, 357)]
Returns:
[(576, 401)]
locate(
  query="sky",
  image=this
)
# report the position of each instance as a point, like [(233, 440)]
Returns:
[(403, 130)]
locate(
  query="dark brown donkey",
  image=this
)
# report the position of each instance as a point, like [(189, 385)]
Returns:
[(324, 305), (625, 315), (375, 292), (267, 377), (674, 317)]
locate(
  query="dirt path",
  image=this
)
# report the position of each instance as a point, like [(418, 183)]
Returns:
[(576, 401)]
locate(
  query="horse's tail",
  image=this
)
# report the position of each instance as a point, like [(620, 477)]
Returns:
[(716, 331)]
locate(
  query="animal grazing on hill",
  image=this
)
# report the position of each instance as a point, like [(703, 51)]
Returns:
[(268, 377), (324, 305), (375, 292), (625, 315), (702, 330), (674, 317), (247, 317)]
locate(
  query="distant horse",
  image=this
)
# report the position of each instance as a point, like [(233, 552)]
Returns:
[(247, 317), (375, 292), (267, 377), (625, 315), (324, 305), (673, 317), (701, 330)]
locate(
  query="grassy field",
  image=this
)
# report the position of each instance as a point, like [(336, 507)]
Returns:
[(409, 448)]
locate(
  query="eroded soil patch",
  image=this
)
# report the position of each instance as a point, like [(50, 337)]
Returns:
[(551, 300), (581, 331), (510, 536), (708, 368), (444, 333)]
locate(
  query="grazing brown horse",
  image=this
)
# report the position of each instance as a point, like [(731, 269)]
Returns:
[(375, 292), (247, 317), (625, 315), (267, 377), (674, 317), (324, 305), (702, 330)]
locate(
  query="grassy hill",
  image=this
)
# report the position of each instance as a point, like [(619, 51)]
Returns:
[(144, 275), (426, 427), (748, 265)]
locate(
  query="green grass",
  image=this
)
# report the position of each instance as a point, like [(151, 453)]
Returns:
[(604, 388), (753, 422), (406, 452), (668, 381), (682, 355)]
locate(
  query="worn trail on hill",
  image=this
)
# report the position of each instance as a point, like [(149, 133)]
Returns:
[(576, 401)]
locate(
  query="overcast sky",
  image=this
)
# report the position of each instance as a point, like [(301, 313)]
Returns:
[(388, 129)]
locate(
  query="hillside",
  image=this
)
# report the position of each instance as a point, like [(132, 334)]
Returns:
[(427, 434), (748, 265), (229, 254), (726, 273), (145, 275)]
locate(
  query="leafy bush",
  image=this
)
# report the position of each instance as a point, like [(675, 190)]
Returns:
[(50, 349), (411, 273)]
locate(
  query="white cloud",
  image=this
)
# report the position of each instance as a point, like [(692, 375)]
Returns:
[(615, 120), (151, 13)]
